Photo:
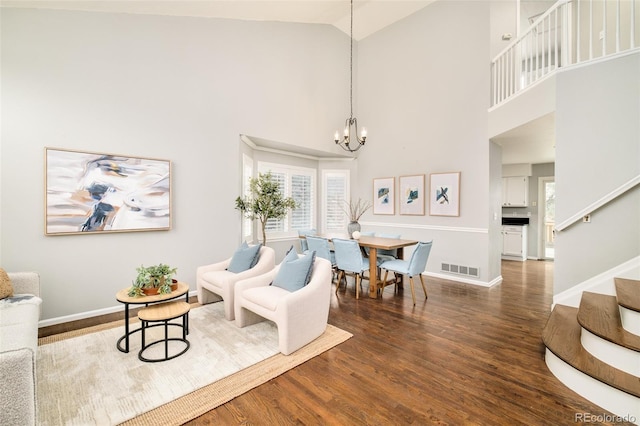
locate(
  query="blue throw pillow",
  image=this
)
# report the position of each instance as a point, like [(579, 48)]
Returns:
[(244, 258), (295, 272)]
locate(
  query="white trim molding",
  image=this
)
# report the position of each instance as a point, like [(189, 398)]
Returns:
[(427, 227)]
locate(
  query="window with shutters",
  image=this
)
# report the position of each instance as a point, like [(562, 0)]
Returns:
[(298, 183), (335, 184), (247, 174)]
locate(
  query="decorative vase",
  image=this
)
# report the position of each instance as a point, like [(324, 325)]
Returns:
[(352, 227)]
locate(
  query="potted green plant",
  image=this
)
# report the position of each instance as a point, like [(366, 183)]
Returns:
[(156, 279), (264, 202)]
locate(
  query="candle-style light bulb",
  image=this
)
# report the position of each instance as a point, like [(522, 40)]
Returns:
[(336, 137), (364, 133)]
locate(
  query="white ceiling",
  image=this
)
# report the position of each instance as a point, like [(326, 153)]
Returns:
[(369, 16), (532, 143)]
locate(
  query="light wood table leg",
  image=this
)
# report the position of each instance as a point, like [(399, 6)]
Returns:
[(373, 273)]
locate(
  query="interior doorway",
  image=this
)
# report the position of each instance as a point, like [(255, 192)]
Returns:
[(546, 217)]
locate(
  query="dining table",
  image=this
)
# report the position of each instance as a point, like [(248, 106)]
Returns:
[(374, 244)]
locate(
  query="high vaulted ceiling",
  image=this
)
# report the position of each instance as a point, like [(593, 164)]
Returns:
[(531, 143), (369, 15)]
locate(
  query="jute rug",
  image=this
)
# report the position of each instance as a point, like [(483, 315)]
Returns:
[(82, 379)]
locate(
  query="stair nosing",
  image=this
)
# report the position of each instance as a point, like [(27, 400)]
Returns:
[(626, 295), (594, 309), (560, 341)]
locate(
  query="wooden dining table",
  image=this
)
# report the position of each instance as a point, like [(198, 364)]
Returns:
[(373, 244)]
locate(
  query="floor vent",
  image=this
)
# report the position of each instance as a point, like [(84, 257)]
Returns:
[(460, 269)]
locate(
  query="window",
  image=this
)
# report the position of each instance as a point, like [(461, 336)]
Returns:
[(247, 174), (299, 183), (335, 193)]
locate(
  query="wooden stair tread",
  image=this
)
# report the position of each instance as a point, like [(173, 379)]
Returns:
[(628, 292), (561, 335), (599, 313)]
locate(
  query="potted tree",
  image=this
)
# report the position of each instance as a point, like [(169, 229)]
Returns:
[(156, 279), (264, 202)]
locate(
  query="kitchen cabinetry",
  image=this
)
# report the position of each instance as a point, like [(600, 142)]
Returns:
[(515, 191), (514, 242)]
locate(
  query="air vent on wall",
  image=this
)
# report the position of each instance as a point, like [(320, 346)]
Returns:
[(451, 268)]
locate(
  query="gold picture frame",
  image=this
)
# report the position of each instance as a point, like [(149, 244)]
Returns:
[(93, 193)]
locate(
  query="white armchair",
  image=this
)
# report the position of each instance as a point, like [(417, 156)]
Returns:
[(214, 282), (301, 316)]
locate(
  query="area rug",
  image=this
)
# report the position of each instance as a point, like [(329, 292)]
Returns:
[(82, 379)]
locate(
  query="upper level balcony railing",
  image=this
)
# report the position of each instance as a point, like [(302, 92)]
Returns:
[(569, 33)]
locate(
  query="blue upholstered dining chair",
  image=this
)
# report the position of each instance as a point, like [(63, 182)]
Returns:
[(384, 255), (412, 267), (303, 241), (349, 260), (322, 248)]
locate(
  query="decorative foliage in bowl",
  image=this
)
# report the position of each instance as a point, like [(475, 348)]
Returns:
[(156, 279)]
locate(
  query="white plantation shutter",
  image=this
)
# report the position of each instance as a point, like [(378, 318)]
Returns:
[(298, 183), (336, 192), (247, 174), (278, 225), (302, 192)]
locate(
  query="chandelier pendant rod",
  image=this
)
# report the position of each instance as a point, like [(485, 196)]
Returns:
[(351, 121)]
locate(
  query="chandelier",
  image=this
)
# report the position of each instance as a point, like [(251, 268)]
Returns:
[(351, 123)]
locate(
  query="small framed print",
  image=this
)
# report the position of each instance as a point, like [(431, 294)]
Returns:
[(444, 198), (384, 196), (411, 195)]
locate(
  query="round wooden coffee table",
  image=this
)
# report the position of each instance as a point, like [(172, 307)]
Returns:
[(159, 316), (123, 297)]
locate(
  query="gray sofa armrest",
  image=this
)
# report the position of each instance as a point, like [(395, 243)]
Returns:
[(25, 282), (18, 389)]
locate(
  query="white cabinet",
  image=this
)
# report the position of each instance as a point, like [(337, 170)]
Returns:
[(515, 191), (514, 242)]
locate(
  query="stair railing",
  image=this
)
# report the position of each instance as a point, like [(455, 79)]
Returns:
[(601, 202), (569, 33)]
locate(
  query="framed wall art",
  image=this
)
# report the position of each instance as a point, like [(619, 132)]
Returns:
[(88, 192), (384, 196), (444, 198), (411, 195)]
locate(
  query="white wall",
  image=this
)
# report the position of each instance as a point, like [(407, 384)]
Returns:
[(176, 88), (423, 94), (597, 150)]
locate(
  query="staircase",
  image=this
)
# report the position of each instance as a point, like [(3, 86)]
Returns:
[(595, 349)]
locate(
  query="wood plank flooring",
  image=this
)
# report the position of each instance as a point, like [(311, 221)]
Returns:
[(468, 355)]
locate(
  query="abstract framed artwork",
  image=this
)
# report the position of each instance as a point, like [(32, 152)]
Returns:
[(89, 193), (384, 196), (411, 195), (444, 198)]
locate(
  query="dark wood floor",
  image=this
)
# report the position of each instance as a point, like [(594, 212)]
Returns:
[(467, 355)]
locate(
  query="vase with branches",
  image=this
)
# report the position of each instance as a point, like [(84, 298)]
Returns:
[(265, 201), (354, 209)]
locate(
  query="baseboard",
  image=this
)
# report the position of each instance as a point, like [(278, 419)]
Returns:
[(88, 314), (460, 279), (602, 283)]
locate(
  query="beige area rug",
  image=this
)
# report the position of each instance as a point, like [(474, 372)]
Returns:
[(82, 379)]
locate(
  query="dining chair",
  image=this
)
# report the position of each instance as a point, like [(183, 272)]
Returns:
[(349, 260), (384, 255), (303, 241), (412, 267), (323, 250)]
